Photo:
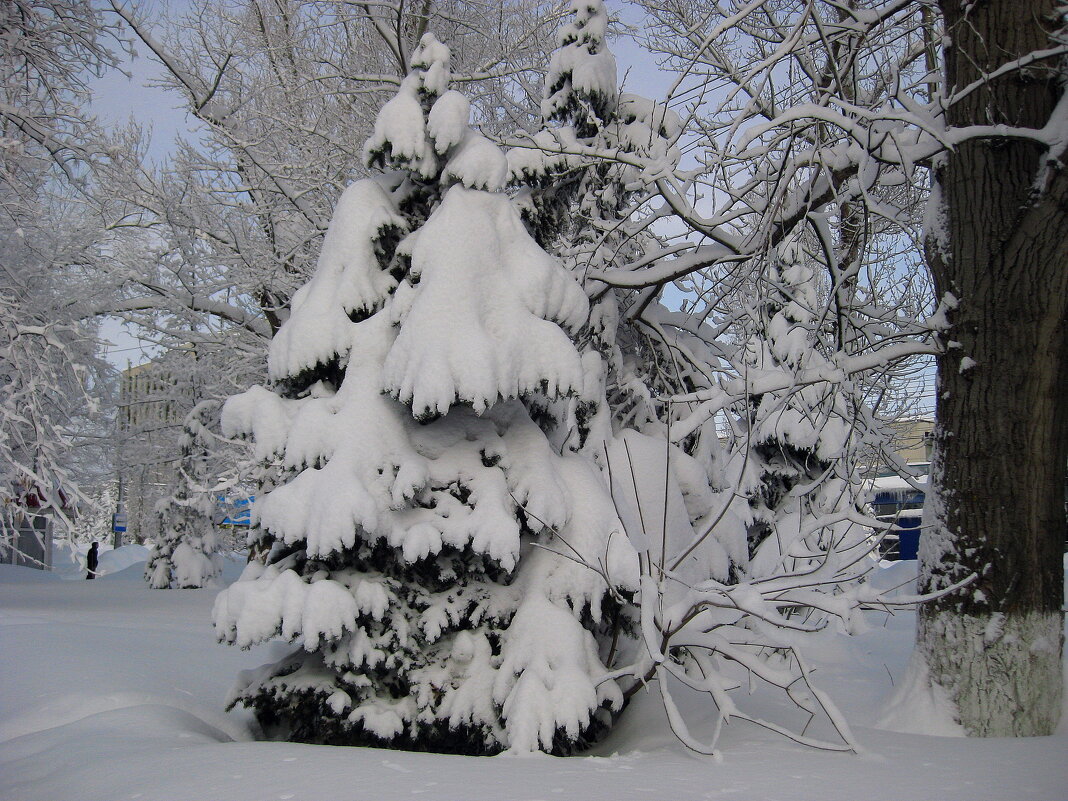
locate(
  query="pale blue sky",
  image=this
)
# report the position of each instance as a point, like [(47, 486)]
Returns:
[(118, 98)]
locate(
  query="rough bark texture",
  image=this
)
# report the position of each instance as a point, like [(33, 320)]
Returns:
[(1001, 248)]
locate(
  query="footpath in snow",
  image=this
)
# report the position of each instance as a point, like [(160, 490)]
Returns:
[(110, 690)]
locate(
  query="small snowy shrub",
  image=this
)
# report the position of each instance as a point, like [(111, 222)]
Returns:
[(187, 554), (789, 515)]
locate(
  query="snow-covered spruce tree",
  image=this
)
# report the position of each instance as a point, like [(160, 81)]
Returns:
[(589, 210), (414, 539), (793, 457), (187, 553), (94, 515)]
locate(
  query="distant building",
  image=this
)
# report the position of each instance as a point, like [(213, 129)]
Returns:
[(147, 397), (153, 402), (29, 525), (899, 500), (914, 438)]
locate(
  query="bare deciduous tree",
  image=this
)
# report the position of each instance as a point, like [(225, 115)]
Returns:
[(825, 121), (996, 245), (48, 51)]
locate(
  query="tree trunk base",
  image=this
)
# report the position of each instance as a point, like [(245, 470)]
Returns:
[(1002, 672)]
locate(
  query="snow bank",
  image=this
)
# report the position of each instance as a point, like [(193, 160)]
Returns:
[(118, 560), (919, 707), (110, 690)]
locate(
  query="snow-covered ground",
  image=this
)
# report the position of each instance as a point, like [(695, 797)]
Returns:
[(110, 690)]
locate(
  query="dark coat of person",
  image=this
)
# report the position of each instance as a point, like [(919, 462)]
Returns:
[(91, 560)]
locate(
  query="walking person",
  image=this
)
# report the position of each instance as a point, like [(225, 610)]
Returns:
[(91, 560)]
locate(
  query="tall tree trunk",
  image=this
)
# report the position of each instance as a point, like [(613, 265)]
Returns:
[(997, 510)]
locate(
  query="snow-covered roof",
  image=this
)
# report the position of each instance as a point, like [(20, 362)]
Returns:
[(895, 483)]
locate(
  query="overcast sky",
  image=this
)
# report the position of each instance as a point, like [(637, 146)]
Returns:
[(118, 98)]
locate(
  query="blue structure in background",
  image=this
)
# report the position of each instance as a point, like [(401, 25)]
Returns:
[(908, 536), (233, 513), (896, 501)]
